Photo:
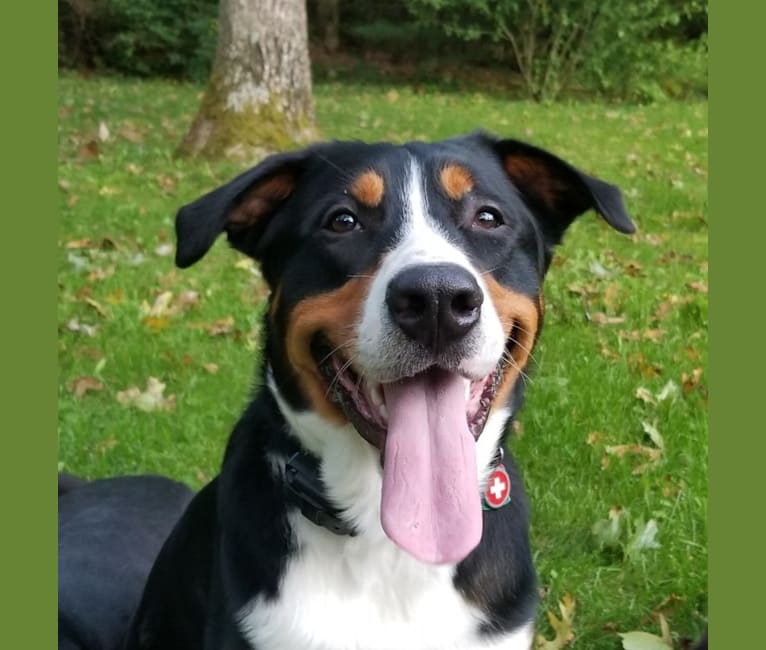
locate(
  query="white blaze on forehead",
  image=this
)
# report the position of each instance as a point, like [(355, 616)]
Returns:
[(421, 240)]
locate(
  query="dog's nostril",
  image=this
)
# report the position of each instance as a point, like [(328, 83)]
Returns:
[(407, 305), (435, 304), (466, 304)]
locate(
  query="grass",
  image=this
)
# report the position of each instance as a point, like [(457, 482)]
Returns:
[(623, 313)]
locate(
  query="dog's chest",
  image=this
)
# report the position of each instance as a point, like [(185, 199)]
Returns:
[(344, 593)]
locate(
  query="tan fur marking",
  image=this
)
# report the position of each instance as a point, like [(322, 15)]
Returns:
[(261, 199), (519, 317), (334, 314), (368, 189), (457, 181), (535, 178)]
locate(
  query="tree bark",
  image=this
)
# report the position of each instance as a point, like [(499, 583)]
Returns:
[(258, 98)]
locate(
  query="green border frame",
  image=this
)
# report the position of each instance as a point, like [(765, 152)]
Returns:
[(28, 343), (27, 267), (736, 449)]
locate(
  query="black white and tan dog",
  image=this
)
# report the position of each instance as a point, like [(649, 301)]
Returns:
[(364, 499)]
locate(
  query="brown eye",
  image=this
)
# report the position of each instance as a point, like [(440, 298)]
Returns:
[(343, 222), (487, 219)]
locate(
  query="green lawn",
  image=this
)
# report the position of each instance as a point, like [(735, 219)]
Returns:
[(623, 314)]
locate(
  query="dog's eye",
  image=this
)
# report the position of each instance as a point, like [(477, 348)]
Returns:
[(342, 222), (487, 218)]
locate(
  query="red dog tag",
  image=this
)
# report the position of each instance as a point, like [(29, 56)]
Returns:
[(498, 490)]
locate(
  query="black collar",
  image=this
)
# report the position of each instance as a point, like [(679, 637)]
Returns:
[(306, 487), (308, 492)]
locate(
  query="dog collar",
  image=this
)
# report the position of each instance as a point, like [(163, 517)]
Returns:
[(308, 492)]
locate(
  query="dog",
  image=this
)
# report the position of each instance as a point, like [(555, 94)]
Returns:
[(109, 534), (365, 499)]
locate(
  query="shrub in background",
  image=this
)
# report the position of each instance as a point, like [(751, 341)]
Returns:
[(168, 38), (617, 47)]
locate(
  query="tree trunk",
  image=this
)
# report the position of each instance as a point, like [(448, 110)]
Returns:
[(258, 98)]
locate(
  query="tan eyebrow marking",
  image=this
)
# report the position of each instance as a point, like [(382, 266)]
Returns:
[(368, 188), (457, 181)]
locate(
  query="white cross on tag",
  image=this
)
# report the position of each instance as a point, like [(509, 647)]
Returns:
[(498, 490)]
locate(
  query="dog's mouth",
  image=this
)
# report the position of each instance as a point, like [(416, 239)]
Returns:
[(426, 427), (364, 400)]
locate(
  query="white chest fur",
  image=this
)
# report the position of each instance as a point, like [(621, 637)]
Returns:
[(343, 593)]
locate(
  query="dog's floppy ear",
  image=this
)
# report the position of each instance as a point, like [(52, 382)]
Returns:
[(240, 208), (558, 190)]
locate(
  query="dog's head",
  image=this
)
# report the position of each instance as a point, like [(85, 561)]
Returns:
[(406, 298)]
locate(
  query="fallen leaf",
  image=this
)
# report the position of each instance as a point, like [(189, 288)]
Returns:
[(130, 133), (594, 437), (160, 307), (163, 250), (103, 131), (690, 381), (562, 627), (644, 538), (699, 286), (608, 532), (156, 323), (654, 335), (105, 445), (116, 297), (245, 263), (187, 300), (217, 328), (82, 385), (645, 395), (152, 399), (75, 326), (651, 431), (670, 389), (166, 182), (633, 268), (643, 641), (212, 368), (88, 151), (602, 319), (99, 274), (77, 244), (97, 306)]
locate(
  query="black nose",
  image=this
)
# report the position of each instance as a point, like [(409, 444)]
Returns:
[(435, 304)]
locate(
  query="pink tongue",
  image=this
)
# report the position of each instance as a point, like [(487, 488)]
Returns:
[(431, 506)]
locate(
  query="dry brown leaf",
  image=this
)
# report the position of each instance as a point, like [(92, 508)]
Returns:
[(562, 627), (629, 335), (594, 437), (130, 133), (77, 244), (82, 385), (99, 274), (633, 268), (699, 286), (156, 323), (97, 306), (166, 182), (645, 395), (88, 151), (105, 445), (601, 318), (212, 368), (221, 327), (103, 131), (690, 381), (116, 297), (152, 399), (653, 335)]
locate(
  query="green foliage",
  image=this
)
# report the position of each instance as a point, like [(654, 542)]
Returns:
[(611, 46), (170, 38)]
